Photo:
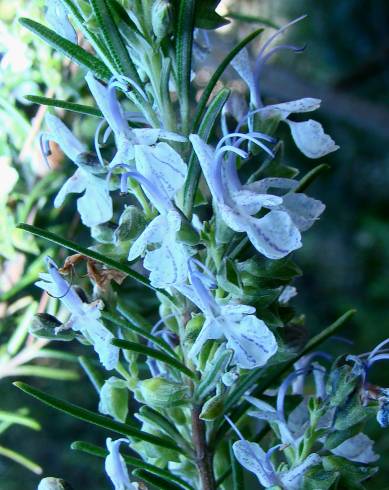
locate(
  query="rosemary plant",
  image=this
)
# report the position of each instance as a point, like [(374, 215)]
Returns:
[(194, 214)]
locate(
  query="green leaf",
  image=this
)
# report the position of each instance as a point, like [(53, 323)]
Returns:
[(113, 40), (157, 481), (92, 371), (252, 379), (217, 74), (14, 418), (229, 279), (20, 459), (319, 479), (351, 474), (63, 104), (184, 42), (311, 176), (69, 49), (213, 372), (252, 19), (74, 247), (154, 354), (46, 372), (157, 341), (282, 270), (94, 450), (161, 423), (204, 131), (93, 418)]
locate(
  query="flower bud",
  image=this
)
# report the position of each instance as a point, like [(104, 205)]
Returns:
[(43, 326), (229, 378), (192, 330), (161, 19), (131, 224), (212, 408), (160, 393), (114, 399), (51, 483)]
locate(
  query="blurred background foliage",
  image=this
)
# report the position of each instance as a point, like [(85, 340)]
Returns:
[(345, 259)]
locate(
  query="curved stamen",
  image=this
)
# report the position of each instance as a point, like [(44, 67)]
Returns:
[(284, 388), (217, 170), (252, 136), (278, 33), (107, 134), (261, 62), (96, 142), (378, 357), (234, 427), (377, 349), (257, 142)]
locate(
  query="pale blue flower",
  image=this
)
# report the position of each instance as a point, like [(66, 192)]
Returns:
[(248, 336), (293, 428), (95, 206), (116, 468), (309, 136), (277, 233), (161, 172), (85, 317), (252, 457), (126, 138)]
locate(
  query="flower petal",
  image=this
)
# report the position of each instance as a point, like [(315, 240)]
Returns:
[(211, 330), (303, 210), (77, 183), (161, 165), (251, 340), (252, 457), (311, 139), (62, 135), (284, 109), (100, 337), (168, 265), (153, 233), (206, 156), (95, 206), (275, 235), (358, 448), (292, 479), (243, 66), (252, 202), (115, 466)]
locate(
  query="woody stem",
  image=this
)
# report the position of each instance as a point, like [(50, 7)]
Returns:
[(202, 451)]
